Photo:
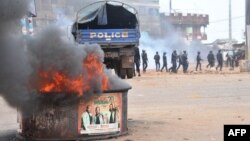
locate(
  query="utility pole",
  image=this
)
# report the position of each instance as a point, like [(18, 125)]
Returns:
[(230, 21), (170, 6), (245, 64), (247, 30)]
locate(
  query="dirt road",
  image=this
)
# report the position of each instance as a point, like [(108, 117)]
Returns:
[(167, 107), (170, 107)]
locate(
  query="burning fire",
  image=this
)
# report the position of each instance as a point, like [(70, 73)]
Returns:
[(54, 81), (95, 68), (59, 82)]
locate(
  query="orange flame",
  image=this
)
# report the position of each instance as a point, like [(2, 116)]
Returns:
[(95, 68), (54, 81), (58, 82)]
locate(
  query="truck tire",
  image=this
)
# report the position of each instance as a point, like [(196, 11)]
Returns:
[(130, 73), (117, 71), (123, 73)]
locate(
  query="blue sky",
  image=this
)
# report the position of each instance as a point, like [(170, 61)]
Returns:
[(218, 12)]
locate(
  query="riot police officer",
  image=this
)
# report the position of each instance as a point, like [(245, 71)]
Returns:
[(211, 59), (185, 61), (198, 60), (219, 57), (144, 60), (137, 60), (174, 62), (165, 64), (157, 61)]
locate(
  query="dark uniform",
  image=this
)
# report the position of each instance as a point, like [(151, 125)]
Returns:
[(198, 60), (229, 59), (157, 61), (165, 64), (233, 60), (144, 60), (173, 61), (180, 61), (137, 60), (185, 61), (210, 59), (220, 60)]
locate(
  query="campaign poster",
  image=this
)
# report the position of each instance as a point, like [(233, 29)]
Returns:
[(101, 115)]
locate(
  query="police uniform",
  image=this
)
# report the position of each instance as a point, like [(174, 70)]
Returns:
[(144, 60), (137, 60), (165, 65), (220, 60), (157, 62)]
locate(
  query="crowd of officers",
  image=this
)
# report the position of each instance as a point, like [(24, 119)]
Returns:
[(180, 60)]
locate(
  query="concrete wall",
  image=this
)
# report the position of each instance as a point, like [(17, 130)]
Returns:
[(245, 65)]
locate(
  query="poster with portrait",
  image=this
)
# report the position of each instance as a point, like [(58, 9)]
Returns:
[(101, 115)]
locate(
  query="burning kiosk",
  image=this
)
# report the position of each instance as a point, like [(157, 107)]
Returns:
[(101, 116)]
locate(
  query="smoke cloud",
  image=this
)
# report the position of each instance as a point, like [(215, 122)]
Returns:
[(51, 49), (22, 59), (170, 42), (15, 70)]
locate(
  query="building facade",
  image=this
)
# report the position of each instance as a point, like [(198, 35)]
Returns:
[(48, 11), (149, 16), (191, 26)]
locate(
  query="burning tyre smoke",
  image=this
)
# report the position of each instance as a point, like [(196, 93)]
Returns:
[(15, 70), (61, 66), (47, 62)]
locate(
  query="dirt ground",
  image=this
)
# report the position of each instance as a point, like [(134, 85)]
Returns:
[(175, 107)]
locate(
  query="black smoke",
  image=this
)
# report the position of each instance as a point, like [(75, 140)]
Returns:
[(21, 57), (15, 69)]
